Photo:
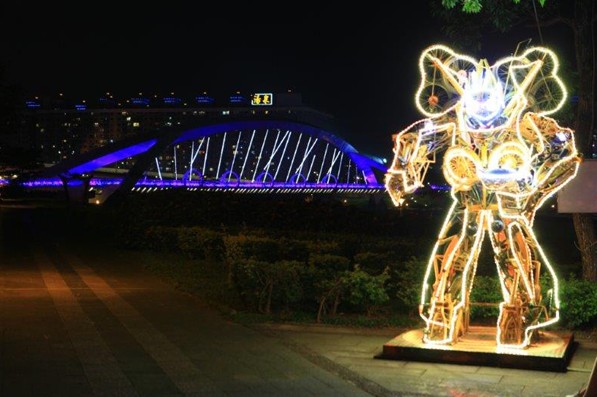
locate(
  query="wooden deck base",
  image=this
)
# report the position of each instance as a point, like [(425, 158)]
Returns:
[(478, 347)]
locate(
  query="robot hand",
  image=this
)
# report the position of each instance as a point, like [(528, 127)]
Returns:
[(396, 187)]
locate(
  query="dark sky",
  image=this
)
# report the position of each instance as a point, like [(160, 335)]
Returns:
[(358, 64)]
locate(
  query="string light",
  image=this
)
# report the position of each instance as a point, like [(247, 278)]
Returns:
[(503, 158)]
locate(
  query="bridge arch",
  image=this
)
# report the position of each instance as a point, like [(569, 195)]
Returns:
[(230, 178), (279, 152), (264, 178), (298, 179), (330, 179), (188, 175)]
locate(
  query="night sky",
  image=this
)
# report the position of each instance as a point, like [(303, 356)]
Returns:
[(358, 64)]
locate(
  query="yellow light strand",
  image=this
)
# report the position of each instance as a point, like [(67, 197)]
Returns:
[(502, 167)]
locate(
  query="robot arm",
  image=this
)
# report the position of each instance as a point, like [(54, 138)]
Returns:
[(556, 162), (414, 151)]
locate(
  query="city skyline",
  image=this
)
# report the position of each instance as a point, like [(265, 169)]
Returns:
[(359, 65)]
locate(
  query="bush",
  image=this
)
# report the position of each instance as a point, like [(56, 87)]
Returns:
[(486, 289), (204, 242), (293, 250), (324, 281), (578, 302), (266, 285), (406, 283), (365, 290), (323, 247), (161, 238), (373, 262)]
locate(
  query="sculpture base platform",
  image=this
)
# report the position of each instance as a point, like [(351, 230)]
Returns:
[(478, 347)]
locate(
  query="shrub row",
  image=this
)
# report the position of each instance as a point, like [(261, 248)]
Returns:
[(289, 271), (324, 276), (283, 274)]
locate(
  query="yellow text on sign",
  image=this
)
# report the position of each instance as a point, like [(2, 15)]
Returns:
[(262, 99)]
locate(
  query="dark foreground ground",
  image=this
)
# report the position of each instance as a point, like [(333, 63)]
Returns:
[(79, 318)]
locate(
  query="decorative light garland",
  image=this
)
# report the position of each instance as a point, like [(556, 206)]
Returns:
[(503, 158)]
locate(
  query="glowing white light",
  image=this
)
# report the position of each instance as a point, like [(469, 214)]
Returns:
[(561, 136), (504, 159), (483, 97)]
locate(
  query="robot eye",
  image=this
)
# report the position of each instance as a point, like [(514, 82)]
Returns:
[(561, 136)]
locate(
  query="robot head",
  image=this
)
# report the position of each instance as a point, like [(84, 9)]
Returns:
[(486, 97), (482, 98)]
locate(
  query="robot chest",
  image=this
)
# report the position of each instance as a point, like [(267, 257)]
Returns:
[(495, 168)]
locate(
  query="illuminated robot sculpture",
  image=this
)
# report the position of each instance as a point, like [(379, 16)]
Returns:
[(503, 158)]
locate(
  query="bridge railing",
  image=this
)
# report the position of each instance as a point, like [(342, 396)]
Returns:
[(154, 184)]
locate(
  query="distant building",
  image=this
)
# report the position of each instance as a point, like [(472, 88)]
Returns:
[(59, 128)]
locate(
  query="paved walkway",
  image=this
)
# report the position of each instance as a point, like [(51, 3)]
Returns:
[(90, 323), (351, 353), (78, 325)]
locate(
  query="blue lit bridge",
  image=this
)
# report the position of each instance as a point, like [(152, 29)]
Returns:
[(241, 156)]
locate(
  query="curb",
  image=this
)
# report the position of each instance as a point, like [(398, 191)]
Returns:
[(390, 332)]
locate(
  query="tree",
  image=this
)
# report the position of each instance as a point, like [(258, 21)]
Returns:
[(466, 19)]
